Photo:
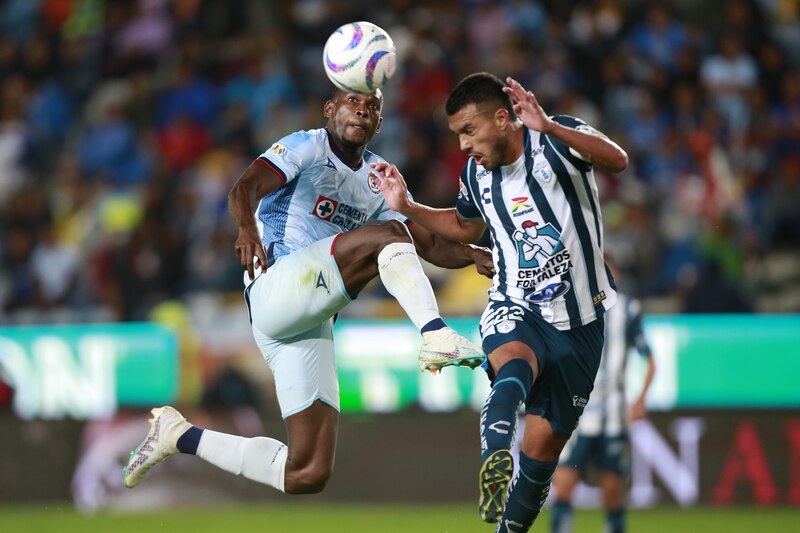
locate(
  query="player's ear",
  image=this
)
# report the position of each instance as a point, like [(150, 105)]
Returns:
[(378, 129), (501, 117), (327, 109)]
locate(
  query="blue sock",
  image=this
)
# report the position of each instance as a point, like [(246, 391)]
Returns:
[(499, 413), (527, 494), (436, 323), (615, 521), (561, 517), (190, 440)]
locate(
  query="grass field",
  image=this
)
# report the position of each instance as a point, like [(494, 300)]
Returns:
[(347, 518)]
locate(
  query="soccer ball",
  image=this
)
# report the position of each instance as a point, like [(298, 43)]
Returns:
[(359, 57)]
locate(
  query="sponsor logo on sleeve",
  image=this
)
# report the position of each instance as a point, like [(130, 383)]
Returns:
[(277, 149)]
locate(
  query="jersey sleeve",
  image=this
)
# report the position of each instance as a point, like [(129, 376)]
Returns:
[(291, 155), (577, 124), (465, 203), (634, 332)]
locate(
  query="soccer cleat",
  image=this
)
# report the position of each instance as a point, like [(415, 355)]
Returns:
[(494, 478), (166, 427), (444, 347)]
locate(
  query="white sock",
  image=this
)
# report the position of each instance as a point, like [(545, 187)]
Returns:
[(258, 458), (402, 275)]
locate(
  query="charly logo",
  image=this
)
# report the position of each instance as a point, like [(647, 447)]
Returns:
[(501, 426), (577, 401), (462, 191)]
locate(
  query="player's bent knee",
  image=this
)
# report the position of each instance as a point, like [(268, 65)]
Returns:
[(394, 231), (311, 480)]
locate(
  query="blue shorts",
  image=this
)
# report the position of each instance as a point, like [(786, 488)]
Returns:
[(607, 453), (568, 360)]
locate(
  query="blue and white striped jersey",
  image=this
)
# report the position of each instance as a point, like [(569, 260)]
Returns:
[(606, 412), (321, 196), (544, 219)]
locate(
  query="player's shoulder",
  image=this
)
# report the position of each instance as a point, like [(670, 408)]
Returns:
[(303, 145), (304, 138)]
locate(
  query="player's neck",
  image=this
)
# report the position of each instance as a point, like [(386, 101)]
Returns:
[(350, 154)]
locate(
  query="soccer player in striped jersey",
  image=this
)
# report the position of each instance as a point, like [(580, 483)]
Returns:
[(530, 179), (320, 233), (601, 437)]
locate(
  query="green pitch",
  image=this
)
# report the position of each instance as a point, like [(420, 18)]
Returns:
[(349, 518)]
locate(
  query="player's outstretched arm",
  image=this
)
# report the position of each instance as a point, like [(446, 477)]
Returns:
[(443, 222), (638, 410), (257, 181), (450, 254), (591, 144)]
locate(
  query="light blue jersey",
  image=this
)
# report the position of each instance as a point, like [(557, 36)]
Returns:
[(321, 195)]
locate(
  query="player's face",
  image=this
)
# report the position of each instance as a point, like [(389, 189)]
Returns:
[(480, 134), (354, 118)]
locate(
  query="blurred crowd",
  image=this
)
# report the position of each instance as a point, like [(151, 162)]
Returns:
[(123, 124)]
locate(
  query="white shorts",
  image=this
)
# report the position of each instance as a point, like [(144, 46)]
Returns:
[(292, 308), (304, 368)]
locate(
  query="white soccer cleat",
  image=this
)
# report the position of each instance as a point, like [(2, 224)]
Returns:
[(444, 347), (166, 427)]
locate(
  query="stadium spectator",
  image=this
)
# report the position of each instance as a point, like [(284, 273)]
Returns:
[(661, 75)]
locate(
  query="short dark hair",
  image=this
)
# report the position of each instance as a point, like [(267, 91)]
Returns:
[(476, 89)]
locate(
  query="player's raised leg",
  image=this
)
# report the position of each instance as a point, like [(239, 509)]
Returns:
[(538, 459), (387, 250), (302, 469), (513, 364), (304, 369)]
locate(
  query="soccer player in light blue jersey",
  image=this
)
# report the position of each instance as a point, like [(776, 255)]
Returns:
[(321, 231), (530, 179)]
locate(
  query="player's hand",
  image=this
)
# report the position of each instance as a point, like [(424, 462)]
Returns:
[(250, 251), (638, 411), (484, 262), (393, 186), (527, 107)]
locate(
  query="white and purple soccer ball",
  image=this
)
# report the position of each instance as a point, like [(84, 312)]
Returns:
[(359, 57)]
